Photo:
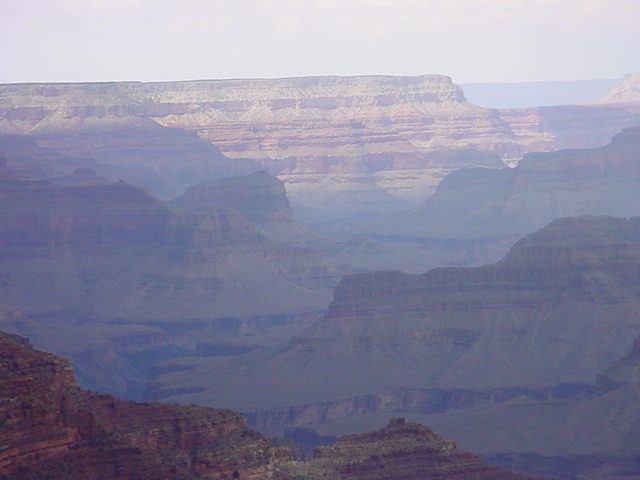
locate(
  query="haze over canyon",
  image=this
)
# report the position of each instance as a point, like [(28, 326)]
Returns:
[(320, 254)]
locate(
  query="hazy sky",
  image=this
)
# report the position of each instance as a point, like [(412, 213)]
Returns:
[(470, 40)]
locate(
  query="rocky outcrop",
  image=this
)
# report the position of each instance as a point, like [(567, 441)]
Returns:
[(400, 451), (51, 428)]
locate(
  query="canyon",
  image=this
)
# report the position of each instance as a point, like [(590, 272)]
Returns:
[(466, 349), (353, 152), (179, 242)]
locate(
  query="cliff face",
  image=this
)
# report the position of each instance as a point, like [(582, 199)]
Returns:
[(245, 117), (52, 428), (35, 390)]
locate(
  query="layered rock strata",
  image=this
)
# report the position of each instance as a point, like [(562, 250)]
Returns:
[(363, 139), (51, 428)]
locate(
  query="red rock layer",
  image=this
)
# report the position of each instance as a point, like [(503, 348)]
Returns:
[(51, 428)]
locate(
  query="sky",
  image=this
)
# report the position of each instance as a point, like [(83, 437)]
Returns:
[(469, 40)]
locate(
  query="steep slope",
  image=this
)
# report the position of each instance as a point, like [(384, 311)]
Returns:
[(561, 306)]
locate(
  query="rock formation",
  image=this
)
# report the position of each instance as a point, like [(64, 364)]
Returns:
[(259, 198), (543, 187), (51, 428), (400, 451)]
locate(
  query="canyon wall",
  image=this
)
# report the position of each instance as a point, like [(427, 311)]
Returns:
[(370, 142)]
